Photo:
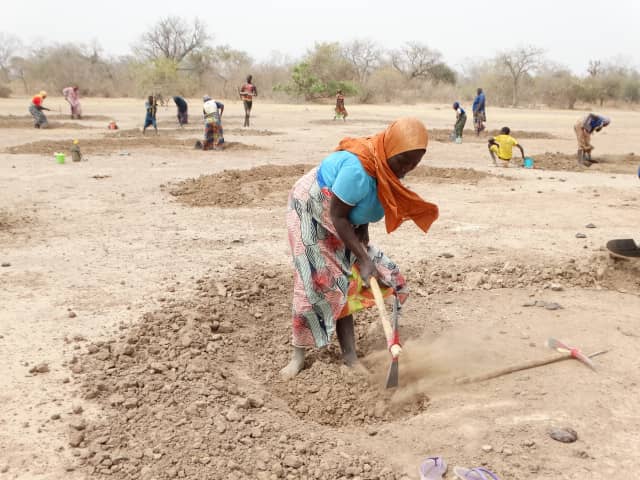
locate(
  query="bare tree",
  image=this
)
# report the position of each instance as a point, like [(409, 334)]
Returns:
[(417, 60), (520, 62), (595, 68), (172, 38), (364, 56), (10, 45)]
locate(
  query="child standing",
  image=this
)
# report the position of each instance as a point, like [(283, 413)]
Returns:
[(461, 120), (502, 147)]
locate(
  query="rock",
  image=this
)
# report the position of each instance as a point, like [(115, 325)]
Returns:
[(116, 399), (487, 448), (131, 402), (446, 255), (77, 368), (564, 435), (507, 451), (473, 280), (292, 461), (39, 368), (128, 350), (221, 290), (556, 287), (529, 303), (55, 416), (78, 423), (185, 340), (157, 367), (580, 235), (72, 314), (255, 401), (552, 306), (76, 437), (232, 415), (589, 225), (243, 403), (92, 348), (103, 355)]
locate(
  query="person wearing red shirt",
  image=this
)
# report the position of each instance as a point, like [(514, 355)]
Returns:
[(36, 110)]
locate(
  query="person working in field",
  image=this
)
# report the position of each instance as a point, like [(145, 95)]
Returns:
[(151, 107), (479, 111), (213, 134), (183, 110), (36, 110), (341, 111), (247, 92), (501, 146), (330, 209), (461, 120), (72, 96), (584, 128)]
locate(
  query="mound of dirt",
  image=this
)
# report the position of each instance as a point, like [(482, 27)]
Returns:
[(447, 175), (10, 220), (263, 185), (381, 123), (189, 393), (444, 135), (627, 163), (26, 121), (119, 140), (600, 271), (250, 132), (270, 184)]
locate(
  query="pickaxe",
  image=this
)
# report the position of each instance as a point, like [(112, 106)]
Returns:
[(567, 353), (390, 331)]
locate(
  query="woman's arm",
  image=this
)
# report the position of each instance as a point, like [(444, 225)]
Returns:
[(339, 213)]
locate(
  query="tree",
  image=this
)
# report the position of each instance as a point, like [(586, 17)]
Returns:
[(172, 38), (10, 45), (519, 62), (415, 60), (364, 56), (323, 71)]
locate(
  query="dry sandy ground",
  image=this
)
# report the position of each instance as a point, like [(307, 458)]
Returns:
[(161, 307)]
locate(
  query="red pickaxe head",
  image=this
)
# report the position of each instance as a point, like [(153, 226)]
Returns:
[(572, 351)]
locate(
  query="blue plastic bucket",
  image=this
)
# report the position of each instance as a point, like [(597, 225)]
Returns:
[(528, 162)]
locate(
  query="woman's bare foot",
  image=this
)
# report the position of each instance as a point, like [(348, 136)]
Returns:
[(295, 365)]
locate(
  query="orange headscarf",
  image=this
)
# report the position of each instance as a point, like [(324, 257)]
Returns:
[(399, 203)]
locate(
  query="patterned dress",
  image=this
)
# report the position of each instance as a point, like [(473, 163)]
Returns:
[(327, 284)]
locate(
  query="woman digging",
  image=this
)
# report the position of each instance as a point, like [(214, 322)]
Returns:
[(330, 209)]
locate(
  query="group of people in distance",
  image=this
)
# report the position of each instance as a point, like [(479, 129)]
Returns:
[(501, 146), (212, 111)]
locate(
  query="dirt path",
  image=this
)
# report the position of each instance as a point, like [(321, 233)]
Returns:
[(166, 324)]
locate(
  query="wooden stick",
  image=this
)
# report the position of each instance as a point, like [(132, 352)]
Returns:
[(382, 311), (519, 368)]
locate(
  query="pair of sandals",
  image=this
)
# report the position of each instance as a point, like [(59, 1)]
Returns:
[(434, 468)]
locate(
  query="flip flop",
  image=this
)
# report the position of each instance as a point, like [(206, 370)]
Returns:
[(624, 247), (433, 468), (474, 474)]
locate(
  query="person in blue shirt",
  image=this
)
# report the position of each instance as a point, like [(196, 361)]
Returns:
[(330, 209), (461, 120), (479, 111), (584, 128)]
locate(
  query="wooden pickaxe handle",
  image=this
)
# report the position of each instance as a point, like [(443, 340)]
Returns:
[(522, 366), (394, 348)]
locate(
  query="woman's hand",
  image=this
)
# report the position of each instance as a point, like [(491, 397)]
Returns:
[(367, 270)]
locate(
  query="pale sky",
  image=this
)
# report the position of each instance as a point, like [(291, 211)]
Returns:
[(571, 32)]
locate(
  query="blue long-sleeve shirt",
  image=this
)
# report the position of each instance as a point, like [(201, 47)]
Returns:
[(478, 103)]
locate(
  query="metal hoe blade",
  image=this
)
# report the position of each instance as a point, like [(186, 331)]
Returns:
[(393, 374)]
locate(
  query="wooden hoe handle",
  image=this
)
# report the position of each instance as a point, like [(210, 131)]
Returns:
[(394, 348)]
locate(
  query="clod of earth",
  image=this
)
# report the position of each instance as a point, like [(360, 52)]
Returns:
[(564, 435)]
